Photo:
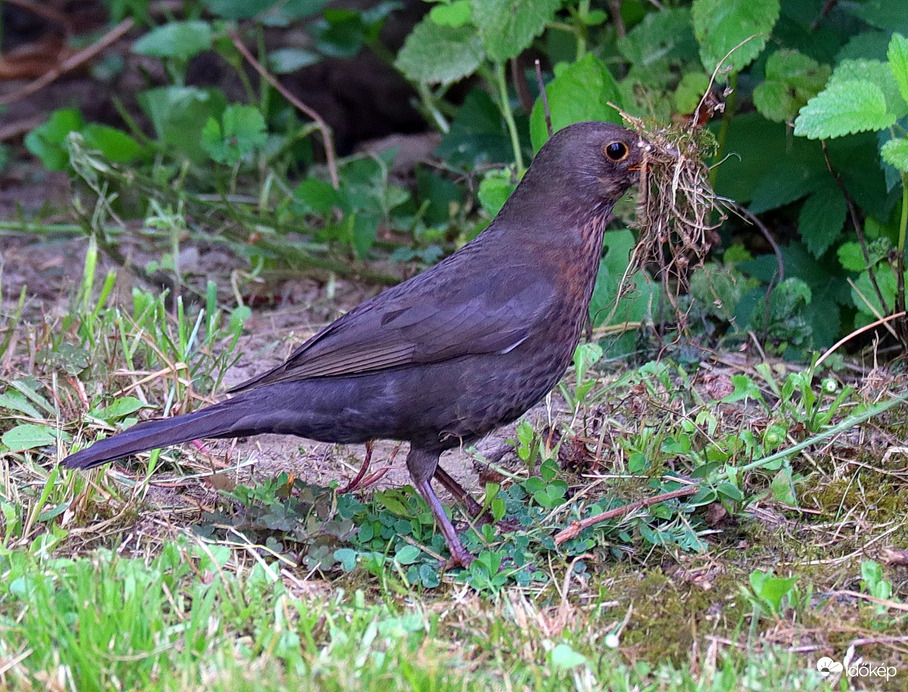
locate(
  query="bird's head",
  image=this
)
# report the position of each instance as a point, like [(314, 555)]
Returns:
[(582, 170)]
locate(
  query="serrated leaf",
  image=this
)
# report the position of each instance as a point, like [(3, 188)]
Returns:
[(792, 79), (508, 27), (456, 14), (666, 35), (180, 40), (895, 153), (898, 62), (689, 92), (875, 72), (851, 257), (821, 219), (842, 109), (883, 14), (720, 25), (580, 92), (435, 54), (29, 436)]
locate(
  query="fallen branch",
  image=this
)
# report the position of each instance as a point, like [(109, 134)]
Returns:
[(577, 526)]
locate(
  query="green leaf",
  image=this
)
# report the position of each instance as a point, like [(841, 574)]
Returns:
[(178, 115), (478, 134), (898, 62), (689, 92), (895, 153), (407, 554), (114, 144), (842, 109), (48, 141), (564, 657), (456, 14), (875, 72), (242, 132), (851, 257), (883, 14), (29, 436), (508, 27), (580, 92), (435, 54), (662, 37), (119, 409), (720, 25), (792, 79), (14, 401), (365, 228), (180, 40), (782, 487), (287, 60), (317, 196), (821, 219), (495, 189)]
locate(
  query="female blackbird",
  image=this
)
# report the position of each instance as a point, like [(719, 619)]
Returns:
[(454, 352)]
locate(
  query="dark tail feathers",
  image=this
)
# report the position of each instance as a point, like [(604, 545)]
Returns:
[(215, 421)]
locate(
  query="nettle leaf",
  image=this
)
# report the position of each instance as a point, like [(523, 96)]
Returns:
[(821, 219), (792, 79), (455, 14), (580, 92), (898, 62), (720, 25), (508, 27), (895, 153), (180, 40), (435, 54), (883, 14), (842, 109), (874, 72), (690, 91), (664, 35)]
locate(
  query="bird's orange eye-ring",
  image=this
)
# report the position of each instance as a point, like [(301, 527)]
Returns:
[(616, 151)]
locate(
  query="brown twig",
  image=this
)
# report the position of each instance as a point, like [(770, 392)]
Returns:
[(577, 526), (70, 63), (323, 127), (856, 332)]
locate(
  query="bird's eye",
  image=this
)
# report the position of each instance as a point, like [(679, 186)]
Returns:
[(616, 151)]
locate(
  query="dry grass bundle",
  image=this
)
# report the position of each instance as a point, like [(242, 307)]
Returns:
[(677, 211)]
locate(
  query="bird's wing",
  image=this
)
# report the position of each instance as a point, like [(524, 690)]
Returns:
[(427, 322)]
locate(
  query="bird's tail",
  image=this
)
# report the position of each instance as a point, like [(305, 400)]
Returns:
[(220, 420)]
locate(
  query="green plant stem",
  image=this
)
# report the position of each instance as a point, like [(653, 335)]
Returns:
[(583, 9), (847, 424), (903, 223), (505, 107)]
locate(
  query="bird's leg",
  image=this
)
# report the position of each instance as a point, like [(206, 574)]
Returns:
[(474, 509), (354, 484), (422, 465)]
